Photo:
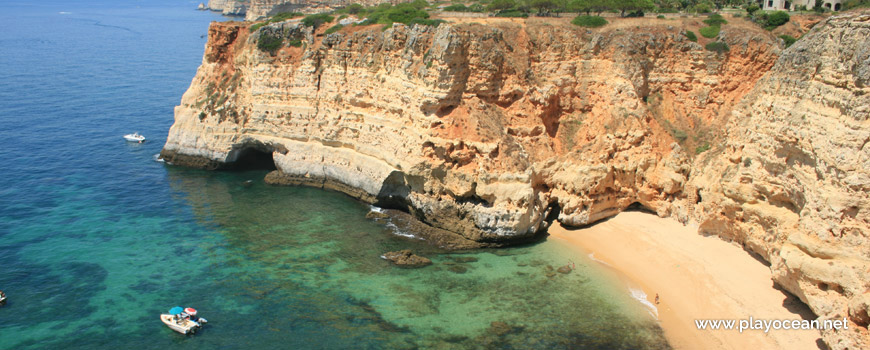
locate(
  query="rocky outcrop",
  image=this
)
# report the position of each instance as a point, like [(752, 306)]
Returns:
[(405, 258), (229, 7), (493, 131), (792, 181)]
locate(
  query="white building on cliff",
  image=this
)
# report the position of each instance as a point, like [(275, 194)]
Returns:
[(792, 5)]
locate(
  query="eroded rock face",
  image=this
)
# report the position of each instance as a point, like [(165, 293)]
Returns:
[(229, 7), (480, 130), (792, 182), (493, 131)]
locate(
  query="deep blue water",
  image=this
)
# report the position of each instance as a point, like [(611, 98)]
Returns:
[(97, 238)]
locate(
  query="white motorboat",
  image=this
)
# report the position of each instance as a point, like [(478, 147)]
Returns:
[(179, 324), (183, 321), (2, 297), (134, 137)]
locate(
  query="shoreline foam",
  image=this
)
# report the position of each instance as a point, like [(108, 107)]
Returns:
[(696, 277)]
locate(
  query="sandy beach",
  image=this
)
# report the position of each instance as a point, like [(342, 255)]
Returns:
[(696, 277)]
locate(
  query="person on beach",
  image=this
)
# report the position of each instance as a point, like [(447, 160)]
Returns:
[(657, 298)]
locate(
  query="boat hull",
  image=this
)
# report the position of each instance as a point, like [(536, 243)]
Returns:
[(132, 138), (182, 326)]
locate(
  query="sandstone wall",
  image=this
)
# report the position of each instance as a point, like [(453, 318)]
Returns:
[(481, 130), (792, 182)]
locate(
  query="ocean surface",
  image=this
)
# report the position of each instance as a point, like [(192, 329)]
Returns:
[(97, 238)]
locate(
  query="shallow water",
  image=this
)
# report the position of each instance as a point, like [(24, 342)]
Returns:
[(97, 239)]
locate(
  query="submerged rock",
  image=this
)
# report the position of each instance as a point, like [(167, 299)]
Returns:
[(464, 259), (458, 269), (405, 258), (564, 269)]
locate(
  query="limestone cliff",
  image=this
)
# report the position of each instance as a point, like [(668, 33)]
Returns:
[(495, 130), (480, 130), (792, 182), (229, 7)]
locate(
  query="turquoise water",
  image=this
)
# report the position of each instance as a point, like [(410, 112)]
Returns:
[(97, 239)]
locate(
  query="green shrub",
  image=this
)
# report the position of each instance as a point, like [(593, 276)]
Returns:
[(660, 16), (589, 21), (788, 39), (737, 15), (354, 8), (777, 19), (457, 8), (752, 8), (709, 32), (691, 35), (419, 4), (715, 20), (427, 22), (333, 29), (402, 13), (256, 26), (702, 148), (316, 20), (295, 42), (703, 8), (851, 4), (717, 47), (501, 5), (269, 42), (512, 13)]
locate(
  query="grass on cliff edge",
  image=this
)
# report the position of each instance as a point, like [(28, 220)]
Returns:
[(709, 32), (405, 13), (589, 21), (788, 39)]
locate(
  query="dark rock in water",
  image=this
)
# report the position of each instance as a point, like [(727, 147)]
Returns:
[(501, 328), (551, 274), (405, 258), (564, 269), (464, 259), (441, 238), (457, 269), (455, 338), (549, 268), (377, 215)]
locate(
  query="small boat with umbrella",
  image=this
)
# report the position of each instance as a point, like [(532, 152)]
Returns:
[(180, 321), (2, 298)]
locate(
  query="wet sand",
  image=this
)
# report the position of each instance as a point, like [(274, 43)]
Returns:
[(696, 277)]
